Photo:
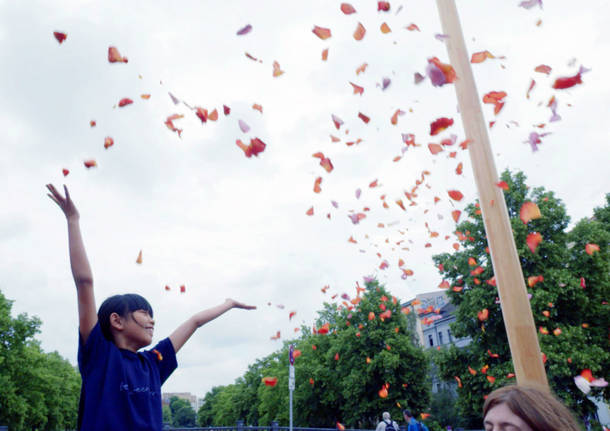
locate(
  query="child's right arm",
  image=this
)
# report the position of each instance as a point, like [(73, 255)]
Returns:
[(81, 271)]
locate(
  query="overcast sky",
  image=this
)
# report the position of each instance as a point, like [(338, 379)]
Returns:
[(225, 225)]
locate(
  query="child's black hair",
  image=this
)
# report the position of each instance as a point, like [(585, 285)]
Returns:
[(122, 305)]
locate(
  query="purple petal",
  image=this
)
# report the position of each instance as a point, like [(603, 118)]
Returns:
[(385, 83), (358, 192), (243, 126), (436, 75), (244, 30)]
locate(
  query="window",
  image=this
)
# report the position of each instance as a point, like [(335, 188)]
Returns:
[(449, 334), (440, 338), (430, 340)]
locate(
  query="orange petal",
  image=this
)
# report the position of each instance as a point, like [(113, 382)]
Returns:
[(108, 142), (361, 68), (385, 29), (529, 211), (456, 215), (543, 68), (435, 148), (316, 185), (412, 27), (360, 32), (139, 259), (357, 89), (591, 248), (480, 57), (533, 240), (309, 211), (276, 70), (325, 54)]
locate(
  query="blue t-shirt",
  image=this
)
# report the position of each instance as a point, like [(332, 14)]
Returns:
[(121, 389)]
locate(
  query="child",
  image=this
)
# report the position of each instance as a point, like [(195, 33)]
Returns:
[(121, 387)]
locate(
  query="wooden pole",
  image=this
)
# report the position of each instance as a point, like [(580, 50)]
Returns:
[(516, 310)]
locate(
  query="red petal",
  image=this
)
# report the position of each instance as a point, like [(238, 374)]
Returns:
[(226, 109), (321, 32), (309, 211), (363, 117), (456, 195), (502, 185), (114, 56), (108, 142), (412, 27), (347, 8), (383, 6), (437, 126), (65, 172), (357, 89), (125, 101), (458, 169), (90, 163), (60, 36)]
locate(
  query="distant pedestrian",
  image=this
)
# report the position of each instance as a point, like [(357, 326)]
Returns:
[(412, 423), (387, 424), (526, 409)]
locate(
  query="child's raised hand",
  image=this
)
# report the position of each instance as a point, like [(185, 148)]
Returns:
[(237, 304), (66, 204)]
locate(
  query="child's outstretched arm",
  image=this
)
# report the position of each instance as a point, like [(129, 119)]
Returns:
[(81, 271), (184, 331)]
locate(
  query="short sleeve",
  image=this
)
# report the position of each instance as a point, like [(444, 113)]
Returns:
[(164, 356), (95, 348)]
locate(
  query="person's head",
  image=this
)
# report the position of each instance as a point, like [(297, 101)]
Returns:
[(526, 409), (385, 416), (127, 315), (407, 414)]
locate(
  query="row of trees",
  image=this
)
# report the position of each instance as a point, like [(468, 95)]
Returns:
[(359, 362), (569, 284), (340, 374), (38, 390)]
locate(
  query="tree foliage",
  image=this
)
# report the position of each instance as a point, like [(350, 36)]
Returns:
[(39, 390), (338, 374), (576, 317), (182, 413)]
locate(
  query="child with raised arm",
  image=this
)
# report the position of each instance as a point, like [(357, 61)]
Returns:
[(121, 387)]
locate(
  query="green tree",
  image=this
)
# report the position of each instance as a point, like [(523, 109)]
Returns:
[(575, 318), (39, 390), (183, 414), (167, 414), (205, 414), (343, 375)]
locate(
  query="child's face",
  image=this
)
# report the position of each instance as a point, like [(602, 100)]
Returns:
[(139, 328)]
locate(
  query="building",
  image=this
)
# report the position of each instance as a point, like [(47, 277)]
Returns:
[(192, 399), (434, 314)]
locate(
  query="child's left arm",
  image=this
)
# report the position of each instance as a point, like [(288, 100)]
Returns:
[(184, 331)]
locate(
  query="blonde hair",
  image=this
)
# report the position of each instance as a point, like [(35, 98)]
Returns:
[(539, 409)]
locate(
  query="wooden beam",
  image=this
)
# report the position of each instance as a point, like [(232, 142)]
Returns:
[(516, 310)]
